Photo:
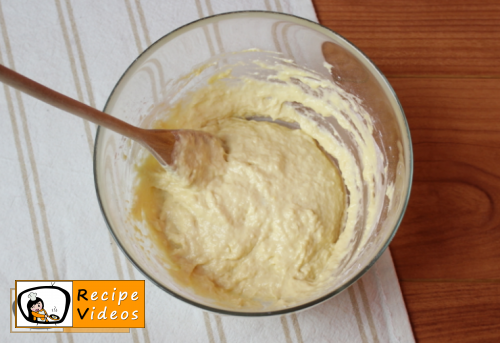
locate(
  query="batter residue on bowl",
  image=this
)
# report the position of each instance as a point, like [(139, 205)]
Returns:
[(272, 221)]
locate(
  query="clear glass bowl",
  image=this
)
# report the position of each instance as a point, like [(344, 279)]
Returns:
[(157, 72)]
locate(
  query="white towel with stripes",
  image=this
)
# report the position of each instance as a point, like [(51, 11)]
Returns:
[(51, 224)]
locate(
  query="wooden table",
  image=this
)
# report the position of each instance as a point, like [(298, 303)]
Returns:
[(443, 59)]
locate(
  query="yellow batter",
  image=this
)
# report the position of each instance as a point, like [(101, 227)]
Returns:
[(267, 221)]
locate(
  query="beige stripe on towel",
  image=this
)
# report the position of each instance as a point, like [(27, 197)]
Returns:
[(45, 233), (22, 164)]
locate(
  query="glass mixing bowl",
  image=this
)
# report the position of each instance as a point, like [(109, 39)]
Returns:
[(158, 74)]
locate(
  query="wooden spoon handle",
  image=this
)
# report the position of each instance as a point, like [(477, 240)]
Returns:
[(68, 104)]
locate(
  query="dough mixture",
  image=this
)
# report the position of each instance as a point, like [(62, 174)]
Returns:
[(269, 220)]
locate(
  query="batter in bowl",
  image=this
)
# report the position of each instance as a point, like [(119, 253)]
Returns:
[(269, 220)]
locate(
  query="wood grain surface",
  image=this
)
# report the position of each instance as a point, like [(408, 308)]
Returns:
[(452, 226), (443, 60), (450, 38), (454, 311)]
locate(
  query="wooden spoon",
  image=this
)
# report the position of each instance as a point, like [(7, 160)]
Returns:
[(160, 143)]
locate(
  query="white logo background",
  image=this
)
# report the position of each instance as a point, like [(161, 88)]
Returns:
[(54, 302)]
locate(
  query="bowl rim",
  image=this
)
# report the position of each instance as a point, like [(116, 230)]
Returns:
[(288, 309)]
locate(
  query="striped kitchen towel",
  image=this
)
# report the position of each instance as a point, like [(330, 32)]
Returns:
[(51, 223)]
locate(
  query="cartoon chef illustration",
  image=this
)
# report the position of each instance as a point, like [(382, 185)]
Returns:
[(35, 308)]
